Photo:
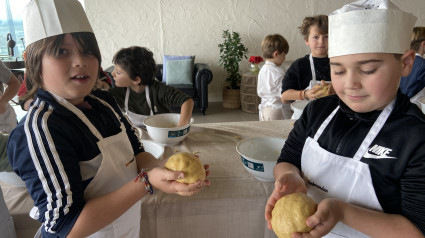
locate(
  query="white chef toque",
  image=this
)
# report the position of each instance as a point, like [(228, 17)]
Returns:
[(45, 18), (369, 26)]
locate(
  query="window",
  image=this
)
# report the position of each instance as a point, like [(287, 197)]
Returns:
[(11, 23)]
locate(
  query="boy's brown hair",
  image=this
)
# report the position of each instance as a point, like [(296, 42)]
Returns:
[(137, 61), (418, 36), (273, 43), (321, 21)]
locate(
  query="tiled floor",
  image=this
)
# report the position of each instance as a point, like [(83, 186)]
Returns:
[(217, 113)]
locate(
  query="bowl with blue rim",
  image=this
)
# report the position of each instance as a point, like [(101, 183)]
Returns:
[(259, 155), (162, 128)]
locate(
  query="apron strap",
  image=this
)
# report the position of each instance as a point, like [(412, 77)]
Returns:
[(313, 71), (325, 124), (127, 93), (83, 117), (148, 99), (373, 132)]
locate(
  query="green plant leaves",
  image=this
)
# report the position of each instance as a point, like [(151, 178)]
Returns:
[(232, 51)]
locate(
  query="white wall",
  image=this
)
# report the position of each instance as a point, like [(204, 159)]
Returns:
[(194, 27)]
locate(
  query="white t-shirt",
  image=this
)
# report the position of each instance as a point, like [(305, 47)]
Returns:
[(269, 85)]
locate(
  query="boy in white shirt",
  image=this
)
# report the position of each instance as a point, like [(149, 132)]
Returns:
[(274, 47)]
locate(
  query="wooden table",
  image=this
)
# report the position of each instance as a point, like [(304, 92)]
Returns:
[(233, 206)]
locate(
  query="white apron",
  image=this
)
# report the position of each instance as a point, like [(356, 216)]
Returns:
[(137, 119), (313, 80), (8, 119), (344, 178), (114, 171)]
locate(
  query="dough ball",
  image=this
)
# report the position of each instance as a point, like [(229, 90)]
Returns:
[(189, 164), (323, 89), (290, 214)]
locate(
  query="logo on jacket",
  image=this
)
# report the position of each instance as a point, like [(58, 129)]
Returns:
[(378, 152)]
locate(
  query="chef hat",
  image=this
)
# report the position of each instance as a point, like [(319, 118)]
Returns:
[(45, 18), (369, 26)]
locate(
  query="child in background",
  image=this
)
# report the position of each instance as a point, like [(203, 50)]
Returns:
[(274, 47), (415, 81), (81, 161), (360, 153), (8, 119), (313, 68), (137, 91)]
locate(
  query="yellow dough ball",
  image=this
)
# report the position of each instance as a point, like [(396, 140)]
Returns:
[(189, 164), (323, 89), (290, 214)]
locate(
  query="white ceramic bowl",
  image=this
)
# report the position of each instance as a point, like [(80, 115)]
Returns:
[(163, 128), (298, 107), (156, 149), (259, 155)]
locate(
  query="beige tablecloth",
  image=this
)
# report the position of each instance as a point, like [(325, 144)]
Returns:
[(233, 206)]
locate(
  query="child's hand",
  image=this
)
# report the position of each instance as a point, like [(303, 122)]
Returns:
[(329, 86), (165, 180), (328, 214), (286, 184), (314, 92)]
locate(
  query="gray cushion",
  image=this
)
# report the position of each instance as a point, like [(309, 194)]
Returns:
[(180, 72), (173, 57)]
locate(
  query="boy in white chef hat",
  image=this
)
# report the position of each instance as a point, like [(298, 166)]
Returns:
[(360, 153), (77, 153)]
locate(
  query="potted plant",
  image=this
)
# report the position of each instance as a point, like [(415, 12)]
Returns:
[(232, 51)]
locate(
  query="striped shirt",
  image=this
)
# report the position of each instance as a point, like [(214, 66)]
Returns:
[(48, 148)]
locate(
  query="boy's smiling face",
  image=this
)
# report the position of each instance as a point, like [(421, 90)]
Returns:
[(369, 81)]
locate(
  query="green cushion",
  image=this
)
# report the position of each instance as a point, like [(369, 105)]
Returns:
[(180, 72), (4, 162)]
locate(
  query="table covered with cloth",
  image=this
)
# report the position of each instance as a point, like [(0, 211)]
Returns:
[(233, 206)]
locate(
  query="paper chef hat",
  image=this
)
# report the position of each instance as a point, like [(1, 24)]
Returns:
[(369, 26), (45, 18)]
